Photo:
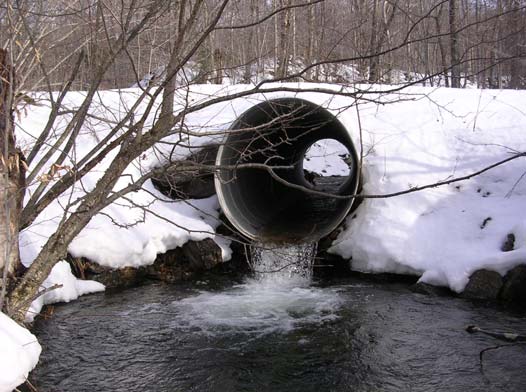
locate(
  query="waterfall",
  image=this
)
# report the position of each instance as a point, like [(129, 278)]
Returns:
[(290, 262)]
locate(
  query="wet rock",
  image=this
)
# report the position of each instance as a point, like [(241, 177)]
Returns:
[(509, 244), (202, 255), (184, 262), (514, 288), (429, 289), (483, 284), (123, 277), (191, 178), (328, 265), (175, 265)]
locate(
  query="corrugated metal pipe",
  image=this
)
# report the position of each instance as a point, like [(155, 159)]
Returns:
[(262, 184)]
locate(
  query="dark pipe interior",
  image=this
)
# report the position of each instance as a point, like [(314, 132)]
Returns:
[(278, 133)]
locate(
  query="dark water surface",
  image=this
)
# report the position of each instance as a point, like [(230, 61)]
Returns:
[(348, 335)]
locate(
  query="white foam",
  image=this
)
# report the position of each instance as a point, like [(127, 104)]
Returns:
[(258, 308), (277, 300)]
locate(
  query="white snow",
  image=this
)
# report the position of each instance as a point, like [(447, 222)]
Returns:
[(327, 157), (19, 352), (440, 234), (68, 288), (417, 137)]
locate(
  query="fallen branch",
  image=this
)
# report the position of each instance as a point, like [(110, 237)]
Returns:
[(506, 336), (514, 339)]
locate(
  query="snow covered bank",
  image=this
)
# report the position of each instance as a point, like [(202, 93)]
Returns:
[(19, 352), (68, 288), (442, 234)]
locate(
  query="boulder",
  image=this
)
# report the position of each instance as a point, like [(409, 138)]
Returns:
[(509, 243), (83, 268), (514, 288), (191, 178), (429, 289), (183, 263), (483, 284)]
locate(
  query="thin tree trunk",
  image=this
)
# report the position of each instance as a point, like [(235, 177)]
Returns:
[(378, 37), (374, 60), (441, 45), (12, 176), (283, 40), (310, 43), (453, 43), (249, 45), (515, 49)]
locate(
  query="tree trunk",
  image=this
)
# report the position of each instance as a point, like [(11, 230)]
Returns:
[(373, 38), (283, 40), (309, 56), (12, 180), (453, 42), (515, 45), (379, 35), (249, 46), (442, 46)]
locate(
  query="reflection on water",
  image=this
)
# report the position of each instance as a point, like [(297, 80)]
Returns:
[(218, 336)]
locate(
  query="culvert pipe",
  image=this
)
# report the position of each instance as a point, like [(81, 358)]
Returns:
[(262, 185)]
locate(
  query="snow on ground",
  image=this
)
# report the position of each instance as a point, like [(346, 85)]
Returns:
[(19, 352), (442, 234)]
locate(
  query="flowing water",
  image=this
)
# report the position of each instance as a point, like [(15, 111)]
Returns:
[(276, 332), (283, 264)]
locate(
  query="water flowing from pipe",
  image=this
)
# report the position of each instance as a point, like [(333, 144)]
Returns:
[(278, 299), (290, 263)]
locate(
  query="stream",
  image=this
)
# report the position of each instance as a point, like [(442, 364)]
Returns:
[(274, 335)]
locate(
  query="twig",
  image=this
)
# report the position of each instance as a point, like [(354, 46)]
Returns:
[(399, 193), (506, 336), (34, 297), (514, 338)]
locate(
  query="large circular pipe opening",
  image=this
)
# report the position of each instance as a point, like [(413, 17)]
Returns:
[(269, 184)]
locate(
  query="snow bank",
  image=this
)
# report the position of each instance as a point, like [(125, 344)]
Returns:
[(19, 352), (442, 234), (134, 229), (131, 231), (71, 288)]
